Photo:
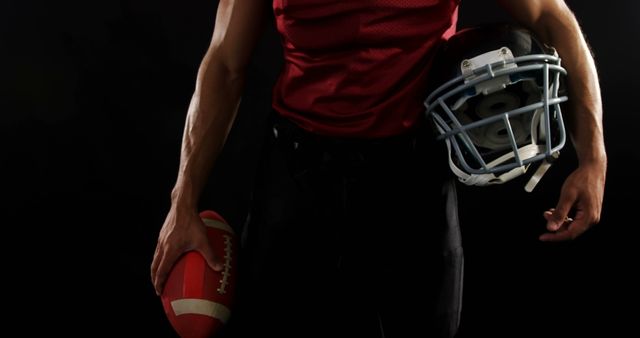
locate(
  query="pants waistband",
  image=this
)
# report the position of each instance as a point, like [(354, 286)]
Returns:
[(288, 132)]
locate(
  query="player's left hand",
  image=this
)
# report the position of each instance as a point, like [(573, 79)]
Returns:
[(582, 194)]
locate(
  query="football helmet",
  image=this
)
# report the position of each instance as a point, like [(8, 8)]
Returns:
[(495, 100)]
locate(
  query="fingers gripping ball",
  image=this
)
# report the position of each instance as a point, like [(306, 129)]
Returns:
[(196, 298)]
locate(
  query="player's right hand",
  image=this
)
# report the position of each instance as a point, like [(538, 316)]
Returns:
[(183, 231)]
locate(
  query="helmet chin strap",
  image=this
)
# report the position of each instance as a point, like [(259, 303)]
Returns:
[(537, 130), (524, 152), (537, 176)]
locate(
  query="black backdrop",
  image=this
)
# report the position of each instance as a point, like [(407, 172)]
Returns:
[(92, 103)]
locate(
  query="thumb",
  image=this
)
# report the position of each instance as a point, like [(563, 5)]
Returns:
[(210, 257), (556, 219)]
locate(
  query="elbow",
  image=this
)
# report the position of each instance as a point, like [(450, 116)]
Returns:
[(221, 69), (234, 72)]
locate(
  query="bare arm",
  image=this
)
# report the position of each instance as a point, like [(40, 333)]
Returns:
[(217, 95), (583, 190), (210, 116)]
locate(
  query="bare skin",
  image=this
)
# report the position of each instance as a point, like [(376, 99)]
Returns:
[(210, 116), (217, 96), (583, 190)]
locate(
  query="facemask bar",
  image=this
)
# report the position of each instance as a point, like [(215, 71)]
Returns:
[(456, 132)]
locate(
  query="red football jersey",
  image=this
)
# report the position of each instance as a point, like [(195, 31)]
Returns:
[(357, 68)]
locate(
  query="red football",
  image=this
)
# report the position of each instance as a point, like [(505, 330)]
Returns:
[(197, 299)]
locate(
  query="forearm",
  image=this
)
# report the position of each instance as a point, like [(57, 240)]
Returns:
[(211, 113), (560, 29)]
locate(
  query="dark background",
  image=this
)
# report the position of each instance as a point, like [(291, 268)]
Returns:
[(92, 104)]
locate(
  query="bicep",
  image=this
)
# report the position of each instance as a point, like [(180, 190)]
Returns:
[(238, 26), (537, 14)]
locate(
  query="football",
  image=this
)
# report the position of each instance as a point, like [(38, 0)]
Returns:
[(197, 299)]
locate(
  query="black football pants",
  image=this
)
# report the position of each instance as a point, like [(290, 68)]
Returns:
[(349, 239)]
